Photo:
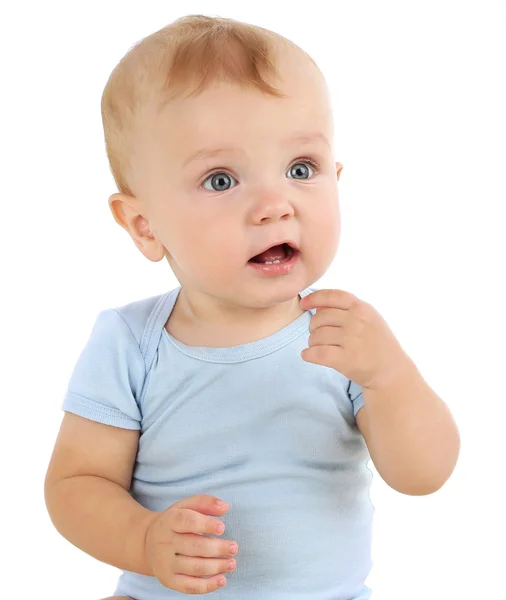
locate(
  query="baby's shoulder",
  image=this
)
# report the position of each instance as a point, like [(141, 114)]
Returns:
[(140, 314)]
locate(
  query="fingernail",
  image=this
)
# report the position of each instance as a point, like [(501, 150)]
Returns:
[(233, 548), (220, 528)]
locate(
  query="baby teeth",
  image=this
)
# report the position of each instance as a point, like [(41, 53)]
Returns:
[(272, 262)]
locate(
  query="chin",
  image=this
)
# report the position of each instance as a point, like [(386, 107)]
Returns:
[(274, 292)]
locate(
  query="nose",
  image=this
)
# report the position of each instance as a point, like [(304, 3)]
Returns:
[(271, 206)]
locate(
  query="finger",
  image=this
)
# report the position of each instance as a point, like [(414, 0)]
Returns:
[(328, 356), (202, 567), (203, 503), (335, 317), (185, 520), (190, 544), (198, 585), (327, 336), (328, 298)]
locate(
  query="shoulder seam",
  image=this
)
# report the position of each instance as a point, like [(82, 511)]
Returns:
[(132, 334)]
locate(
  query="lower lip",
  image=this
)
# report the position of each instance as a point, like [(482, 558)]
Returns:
[(277, 269)]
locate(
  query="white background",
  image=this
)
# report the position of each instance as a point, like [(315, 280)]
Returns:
[(419, 96)]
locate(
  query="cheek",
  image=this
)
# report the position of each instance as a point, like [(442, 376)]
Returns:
[(334, 231), (326, 224), (206, 246)]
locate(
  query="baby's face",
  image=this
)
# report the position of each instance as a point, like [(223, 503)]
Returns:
[(231, 172)]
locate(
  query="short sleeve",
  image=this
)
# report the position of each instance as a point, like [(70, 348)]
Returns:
[(108, 375), (356, 397)]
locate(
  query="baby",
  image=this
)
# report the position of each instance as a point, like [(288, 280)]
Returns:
[(244, 400)]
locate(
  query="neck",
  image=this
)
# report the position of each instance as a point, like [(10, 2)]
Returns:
[(214, 318)]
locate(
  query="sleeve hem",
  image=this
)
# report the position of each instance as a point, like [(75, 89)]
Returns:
[(84, 407), (358, 402)]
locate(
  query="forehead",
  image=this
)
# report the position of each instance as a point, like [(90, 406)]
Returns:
[(227, 114), (250, 112), (230, 108)]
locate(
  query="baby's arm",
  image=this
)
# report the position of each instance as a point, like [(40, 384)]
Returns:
[(87, 493)]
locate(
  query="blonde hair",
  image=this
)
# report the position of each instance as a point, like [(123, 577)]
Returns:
[(195, 49)]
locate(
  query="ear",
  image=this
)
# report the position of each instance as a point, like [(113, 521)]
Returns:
[(126, 211), (339, 168)]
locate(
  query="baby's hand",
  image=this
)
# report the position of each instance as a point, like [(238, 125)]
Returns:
[(175, 546)]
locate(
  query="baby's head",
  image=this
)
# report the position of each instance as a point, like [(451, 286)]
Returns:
[(220, 139)]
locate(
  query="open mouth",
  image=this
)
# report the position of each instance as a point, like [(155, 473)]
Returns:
[(275, 255)]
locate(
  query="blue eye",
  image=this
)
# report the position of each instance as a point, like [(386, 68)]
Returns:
[(220, 182), (301, 170)]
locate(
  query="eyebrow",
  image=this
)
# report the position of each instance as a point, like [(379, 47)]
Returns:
[(304, 138)]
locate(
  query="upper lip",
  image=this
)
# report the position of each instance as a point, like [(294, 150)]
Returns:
[(291, 243)]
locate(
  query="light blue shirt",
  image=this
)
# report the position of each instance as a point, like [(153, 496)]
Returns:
[(254, 425)]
